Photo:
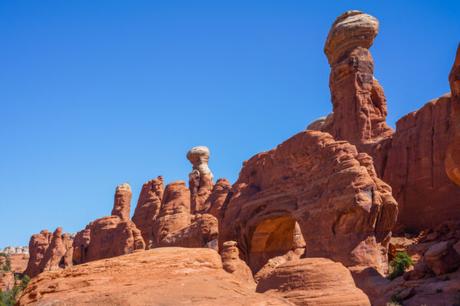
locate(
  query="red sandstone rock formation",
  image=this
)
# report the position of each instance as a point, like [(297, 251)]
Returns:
[(147, 209), (122, 202), (162, 276), (200, 179), (109, 236), (415, 167), (49, 252), (37, 248), (453, 152), (410, 160), (359, 104), (314, 281), (343, 211), (217, 198)]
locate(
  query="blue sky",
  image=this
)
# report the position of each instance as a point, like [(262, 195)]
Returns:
[(96, 93)]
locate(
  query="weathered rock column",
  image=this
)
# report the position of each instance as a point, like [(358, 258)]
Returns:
[(122, 201), (359, 103), (200, 179)]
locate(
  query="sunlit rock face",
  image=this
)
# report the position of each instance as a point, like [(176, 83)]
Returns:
[(452, 163), (418, 158), (200, 179), (148, 208), (315, 193), (109, 236), (49, 252)]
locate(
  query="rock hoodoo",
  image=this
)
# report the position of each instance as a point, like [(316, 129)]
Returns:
[(201, 178), (359, 104), (109, 236), (315, 187), (122, 201), (411, 159)]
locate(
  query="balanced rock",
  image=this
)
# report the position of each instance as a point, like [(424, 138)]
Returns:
[(416, 159), (201, 178), (314, 281), (323, 188)]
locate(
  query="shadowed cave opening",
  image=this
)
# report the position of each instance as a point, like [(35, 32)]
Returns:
[(274, 237)]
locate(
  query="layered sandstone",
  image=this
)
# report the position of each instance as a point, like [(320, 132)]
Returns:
[(414, 159), (162, 276), (415, 167), (452, 163), (200, 179), (323, 188), (314, 281), (109, 236), (359, 104), (49, 251)]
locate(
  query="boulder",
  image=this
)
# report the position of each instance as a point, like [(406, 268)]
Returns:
[(314, 281)]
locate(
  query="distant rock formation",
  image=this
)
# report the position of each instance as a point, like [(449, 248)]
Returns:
[(315, 193), (110, 236), (10, 250), (181, 216), (49, 251)]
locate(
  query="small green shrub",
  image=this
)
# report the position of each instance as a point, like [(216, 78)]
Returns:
[(399, 264), (8, 298)]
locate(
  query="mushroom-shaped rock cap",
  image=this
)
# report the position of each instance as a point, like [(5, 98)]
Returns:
[(350, 30), (123, 187), (198, 155)]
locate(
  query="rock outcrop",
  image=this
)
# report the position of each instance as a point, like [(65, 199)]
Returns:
[(148, 208), (359, 104), (232, 263), (200, 179), (453, 152), (162, 276), (49, 251), (414, 159), (343, 210), (314, 281), (109, 236)]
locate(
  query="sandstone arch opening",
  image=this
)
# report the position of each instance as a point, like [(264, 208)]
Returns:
[(274, 237)]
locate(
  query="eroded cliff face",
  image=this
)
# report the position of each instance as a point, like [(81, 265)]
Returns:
[(452, 161), (417, 158), (343, 210), (49, 251)]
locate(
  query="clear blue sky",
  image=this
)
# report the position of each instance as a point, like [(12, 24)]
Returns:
[(96, 93)]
